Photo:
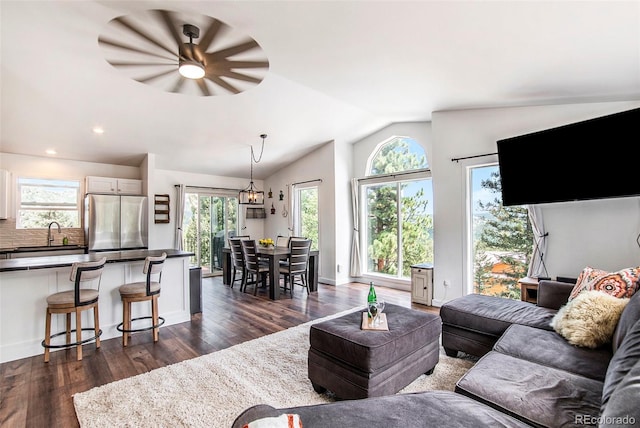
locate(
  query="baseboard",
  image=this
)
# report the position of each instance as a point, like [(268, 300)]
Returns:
[(437, 303)]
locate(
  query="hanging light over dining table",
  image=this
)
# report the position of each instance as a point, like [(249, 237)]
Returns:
[(251, 195)]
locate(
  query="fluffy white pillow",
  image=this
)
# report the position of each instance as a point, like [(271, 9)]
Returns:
[(590, 319)]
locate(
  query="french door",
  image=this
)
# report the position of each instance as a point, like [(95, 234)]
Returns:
[(209, 220)]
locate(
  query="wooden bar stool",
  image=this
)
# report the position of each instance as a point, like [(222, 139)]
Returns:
[(84, 296), (141, 292)]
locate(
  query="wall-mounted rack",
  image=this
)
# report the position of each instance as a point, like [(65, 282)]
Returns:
[(161, 208)]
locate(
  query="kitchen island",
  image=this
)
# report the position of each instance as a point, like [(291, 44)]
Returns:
[(25, 284)]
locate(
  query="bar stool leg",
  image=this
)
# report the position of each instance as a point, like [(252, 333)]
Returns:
[(79, 334), (47, 335), (126, 316), (96, 324), (68, 336), (154, 317)]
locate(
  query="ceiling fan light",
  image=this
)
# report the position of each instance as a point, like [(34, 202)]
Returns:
[(191, 69)]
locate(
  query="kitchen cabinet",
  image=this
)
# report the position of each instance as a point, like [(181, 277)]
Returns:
[(422, 283), (111, 185)]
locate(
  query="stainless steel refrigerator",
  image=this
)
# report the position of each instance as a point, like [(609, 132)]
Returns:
[(115, 222)]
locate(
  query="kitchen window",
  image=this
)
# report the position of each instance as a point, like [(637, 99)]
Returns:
[(41, 201)]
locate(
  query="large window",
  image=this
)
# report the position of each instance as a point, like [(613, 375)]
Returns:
[(306, 223), (501, 237), (41, 201), (397, 209)]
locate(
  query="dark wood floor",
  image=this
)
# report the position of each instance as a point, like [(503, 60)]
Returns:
[(38, 394)]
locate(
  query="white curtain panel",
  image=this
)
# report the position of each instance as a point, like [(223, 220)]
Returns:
[(355, 270), (537, 267), (179, 216)]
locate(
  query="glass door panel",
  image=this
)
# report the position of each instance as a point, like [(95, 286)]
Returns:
[(382, 228), (417, 224), (209, 220)]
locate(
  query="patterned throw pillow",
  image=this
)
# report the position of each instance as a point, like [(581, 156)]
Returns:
[(623, 283)]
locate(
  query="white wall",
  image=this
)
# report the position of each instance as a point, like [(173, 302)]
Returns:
[(319, 164), (155, 181), (599, 233), (344, 213), (164, 181), (52, 167)]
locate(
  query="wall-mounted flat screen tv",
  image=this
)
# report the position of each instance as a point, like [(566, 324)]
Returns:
[(594, 159)]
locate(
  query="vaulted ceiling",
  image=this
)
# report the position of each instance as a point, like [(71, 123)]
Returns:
[(337, 70)]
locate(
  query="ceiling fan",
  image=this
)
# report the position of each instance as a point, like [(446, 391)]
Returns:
[(158, 48)]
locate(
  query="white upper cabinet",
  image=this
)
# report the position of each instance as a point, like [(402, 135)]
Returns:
[(116, 186), (129, 187)]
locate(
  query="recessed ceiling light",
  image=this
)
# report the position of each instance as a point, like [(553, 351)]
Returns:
[(98, 130), (51, 152)]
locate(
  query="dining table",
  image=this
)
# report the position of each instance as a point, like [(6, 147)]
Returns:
[(274, 255)]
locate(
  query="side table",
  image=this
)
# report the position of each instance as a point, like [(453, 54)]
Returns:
[(529, 289)]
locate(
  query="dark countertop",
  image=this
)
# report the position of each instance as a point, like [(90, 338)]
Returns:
[(34, 249), (46, 262)]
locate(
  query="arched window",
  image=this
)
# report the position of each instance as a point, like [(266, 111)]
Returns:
[(397, 211), (397, 154)]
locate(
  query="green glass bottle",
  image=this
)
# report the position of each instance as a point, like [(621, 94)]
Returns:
[(372, 300)]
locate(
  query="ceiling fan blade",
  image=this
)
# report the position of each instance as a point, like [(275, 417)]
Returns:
[(123, 21), (203, 87), (234, 50), (176, 88), (169, 22), (113, 43), (155, 76), (230, 65), (140, 64), (213, 30), (218, 81), (239, 76)]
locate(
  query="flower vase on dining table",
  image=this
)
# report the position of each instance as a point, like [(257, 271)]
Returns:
[(266, 242)]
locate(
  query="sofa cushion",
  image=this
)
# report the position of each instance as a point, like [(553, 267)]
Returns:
[(423, 409), (536, 394), (622, 283), (550, 349), (492, 315), (621, 408), (590, 319), (625, 358), (629, 316)]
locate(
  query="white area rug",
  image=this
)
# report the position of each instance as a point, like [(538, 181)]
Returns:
[(211, 390)]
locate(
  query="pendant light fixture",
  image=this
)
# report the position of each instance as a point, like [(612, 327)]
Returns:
[(251, 195)]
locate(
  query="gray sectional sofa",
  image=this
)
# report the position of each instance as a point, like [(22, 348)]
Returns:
[(528, 375)]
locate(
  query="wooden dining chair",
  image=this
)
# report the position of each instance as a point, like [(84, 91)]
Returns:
[(253, 266), (282, 241), (237, 259), (298, 264)]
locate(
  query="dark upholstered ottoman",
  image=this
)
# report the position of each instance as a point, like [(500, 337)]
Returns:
[(354, 363)]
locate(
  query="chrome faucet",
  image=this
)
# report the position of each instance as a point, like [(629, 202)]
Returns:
[(49, 237)]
